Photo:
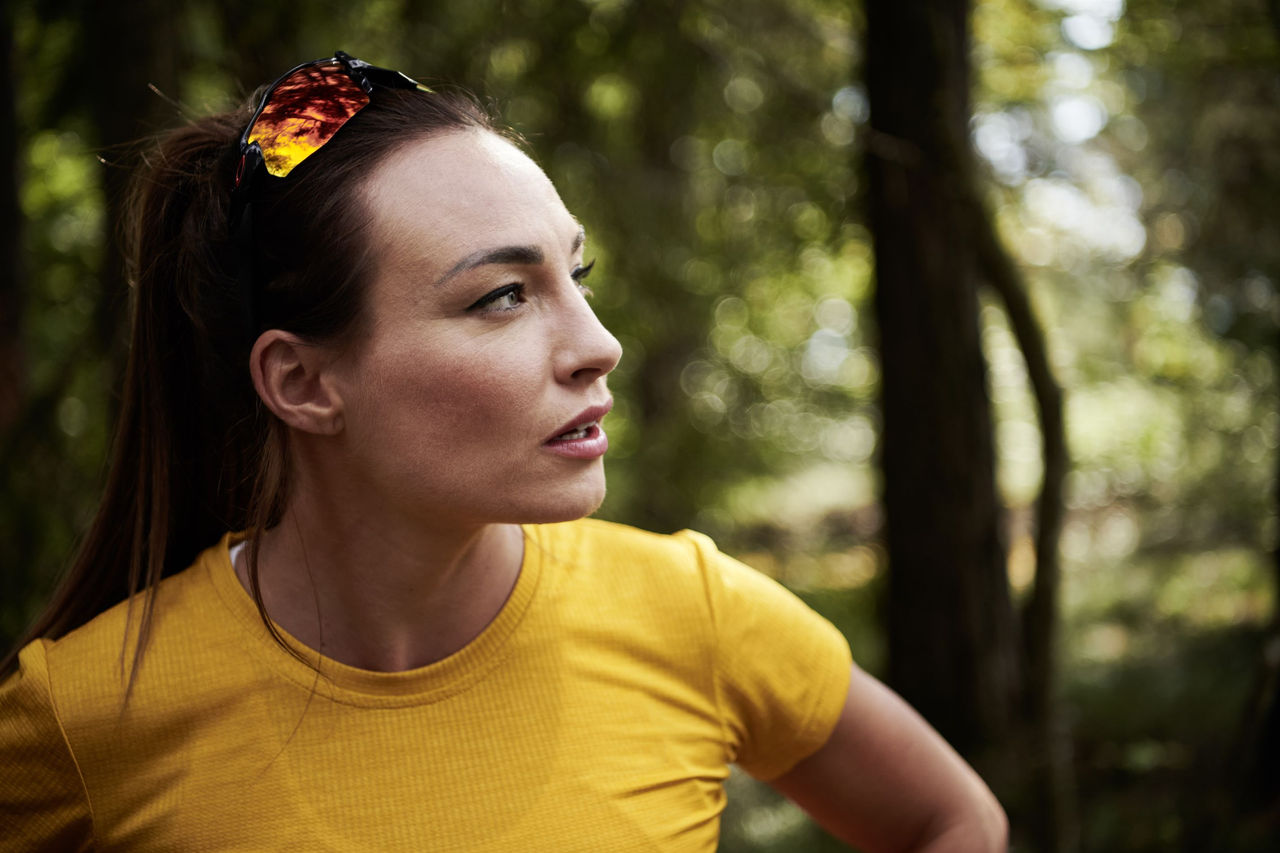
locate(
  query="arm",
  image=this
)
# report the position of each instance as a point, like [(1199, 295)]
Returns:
[(886, 781)]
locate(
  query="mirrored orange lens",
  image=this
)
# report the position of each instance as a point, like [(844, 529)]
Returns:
[(303, 112)]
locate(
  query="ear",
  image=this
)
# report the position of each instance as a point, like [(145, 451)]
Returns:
[(293, 378)]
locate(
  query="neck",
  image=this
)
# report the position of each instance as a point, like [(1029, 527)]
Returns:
[(378, 598)]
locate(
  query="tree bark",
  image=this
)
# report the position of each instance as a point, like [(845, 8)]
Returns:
[(124, 111), (950, 617), (12, 274), (953, 637), (1262, 769), (1256, 768)]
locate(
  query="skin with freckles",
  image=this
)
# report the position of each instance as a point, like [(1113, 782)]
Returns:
[(418, 447), (450, 398)]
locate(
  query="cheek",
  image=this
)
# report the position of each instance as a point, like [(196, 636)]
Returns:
[(453, 395)]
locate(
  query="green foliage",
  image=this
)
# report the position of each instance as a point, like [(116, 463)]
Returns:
[(1130, 182), (711, 150)]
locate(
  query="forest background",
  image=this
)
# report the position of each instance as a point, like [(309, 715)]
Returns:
[(1035, 237)]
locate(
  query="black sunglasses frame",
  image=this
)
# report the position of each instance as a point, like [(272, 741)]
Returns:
[(367, 77)]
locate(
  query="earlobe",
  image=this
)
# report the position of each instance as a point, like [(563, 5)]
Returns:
[(292, 378)]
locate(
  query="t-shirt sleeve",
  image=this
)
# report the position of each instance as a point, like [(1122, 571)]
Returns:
[(43, 805), (781, 670)]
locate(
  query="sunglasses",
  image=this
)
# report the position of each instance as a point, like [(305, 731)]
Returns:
[(300, 112), (304, 108)]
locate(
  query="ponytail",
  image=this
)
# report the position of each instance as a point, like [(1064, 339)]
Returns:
[(191, 432), (196, 453)]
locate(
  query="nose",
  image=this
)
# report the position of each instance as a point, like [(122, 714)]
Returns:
[(587, 349)]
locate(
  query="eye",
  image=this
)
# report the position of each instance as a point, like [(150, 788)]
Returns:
[(503, 299), (579, 275)]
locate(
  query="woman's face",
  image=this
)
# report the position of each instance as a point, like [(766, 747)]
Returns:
[(483, 355)]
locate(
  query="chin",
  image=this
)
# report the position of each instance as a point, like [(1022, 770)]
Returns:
[(566, 504)]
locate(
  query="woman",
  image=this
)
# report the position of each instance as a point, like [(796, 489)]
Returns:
[(361, 339)]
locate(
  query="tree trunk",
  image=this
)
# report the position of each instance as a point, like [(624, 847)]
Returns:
[(12, 277), (1257, 770), (953, 636), (124, 111), (951, 630), (950, 618)]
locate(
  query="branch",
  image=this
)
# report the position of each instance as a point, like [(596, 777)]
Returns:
[(1040, 611)]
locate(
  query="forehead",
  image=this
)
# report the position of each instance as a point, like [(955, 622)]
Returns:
[(436, 200)]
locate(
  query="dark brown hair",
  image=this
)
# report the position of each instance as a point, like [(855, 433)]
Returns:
[(196, 453)]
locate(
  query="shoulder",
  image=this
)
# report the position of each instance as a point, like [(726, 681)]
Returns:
[(683, 570), (628, 560), (103, 636), (593, 537), (662, 582), (43, 803), (88, 668), (780, 671)]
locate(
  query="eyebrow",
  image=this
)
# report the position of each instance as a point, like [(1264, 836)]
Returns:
[(506, 255)]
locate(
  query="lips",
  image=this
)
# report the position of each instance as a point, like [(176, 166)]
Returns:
[(586, 424), (581, 438)]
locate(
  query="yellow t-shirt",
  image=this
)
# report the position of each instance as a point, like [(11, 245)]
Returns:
[(598, 712)]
